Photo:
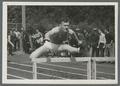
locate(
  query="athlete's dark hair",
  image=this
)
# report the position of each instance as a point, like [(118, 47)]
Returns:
[(65, 19)]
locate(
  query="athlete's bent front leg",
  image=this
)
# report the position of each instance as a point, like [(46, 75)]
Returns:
[(69, 48)]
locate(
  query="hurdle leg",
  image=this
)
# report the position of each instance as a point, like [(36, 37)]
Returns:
[(89, 69), (93, 70), (34, 70)]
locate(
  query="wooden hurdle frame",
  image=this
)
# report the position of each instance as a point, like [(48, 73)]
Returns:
[(91, 63)]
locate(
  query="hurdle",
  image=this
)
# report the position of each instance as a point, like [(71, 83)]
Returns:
[(91, 63)]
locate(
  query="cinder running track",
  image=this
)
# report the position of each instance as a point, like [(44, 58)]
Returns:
[(20, 67)]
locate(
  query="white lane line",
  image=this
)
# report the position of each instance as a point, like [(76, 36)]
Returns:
[(102, 78), (51, 69), (16, 76), (37, 73), (100, 72), (107, 66), (56, 65)]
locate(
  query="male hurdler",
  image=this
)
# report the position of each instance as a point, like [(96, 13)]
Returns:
[(55, 39)]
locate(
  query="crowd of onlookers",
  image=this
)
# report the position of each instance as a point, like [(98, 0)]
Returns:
[(21, 40), (99, 42), (14, 37)]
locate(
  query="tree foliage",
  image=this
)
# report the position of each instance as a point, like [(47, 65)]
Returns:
[(46, 17)]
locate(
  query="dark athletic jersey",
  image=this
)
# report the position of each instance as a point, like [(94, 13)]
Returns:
[(57, 35)]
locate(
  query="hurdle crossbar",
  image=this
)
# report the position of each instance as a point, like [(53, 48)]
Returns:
[(91, 63), (62, 59), (100, 59)]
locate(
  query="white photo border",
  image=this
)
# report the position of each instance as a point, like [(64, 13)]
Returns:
[(4, 43)]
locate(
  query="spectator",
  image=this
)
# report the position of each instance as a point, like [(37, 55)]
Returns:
[(87, 37), (38, 38), (109, 42), (10, 43), (82, 38), (26, 43), (101, 43), (94, 42), (17, 39)]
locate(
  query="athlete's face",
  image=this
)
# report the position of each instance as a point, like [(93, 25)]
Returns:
[(65, 25)]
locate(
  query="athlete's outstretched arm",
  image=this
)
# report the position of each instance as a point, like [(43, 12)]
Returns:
[(75, 35)]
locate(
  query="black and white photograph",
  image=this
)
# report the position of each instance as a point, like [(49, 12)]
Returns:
[(60, 43)]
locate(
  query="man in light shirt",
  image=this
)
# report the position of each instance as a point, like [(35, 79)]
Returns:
[(101, 43), (55, 41), (17, 39)]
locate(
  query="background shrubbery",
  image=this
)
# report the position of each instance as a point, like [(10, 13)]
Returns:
[(46, 17)]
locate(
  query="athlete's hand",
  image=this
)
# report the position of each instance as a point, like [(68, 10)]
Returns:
[(97, 46), (65, 42), (104, 46), (80, 42)]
